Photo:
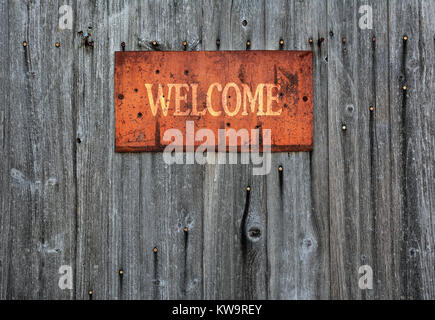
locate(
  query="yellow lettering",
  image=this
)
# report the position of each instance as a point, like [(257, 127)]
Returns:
[(179, 98), (247, 96), (270, 99), (225, 99), (160, 99), (195, 111), (209, 95)]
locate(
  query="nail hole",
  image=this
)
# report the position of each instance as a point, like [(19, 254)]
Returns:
[(120, 96), (254, 233), (139, 115), (186, 72), (228, 124), (79, 140), (305, 98), (157, 71), (135, 89), (244, 23)]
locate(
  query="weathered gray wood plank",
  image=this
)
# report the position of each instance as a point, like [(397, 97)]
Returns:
[(412, 145), (38, 222), (297, 239)]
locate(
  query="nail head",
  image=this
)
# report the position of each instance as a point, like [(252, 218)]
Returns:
[(24, 44), (248, 188), (57, 44), (155, 250), (371, 108), (343, 127), (280, 168)]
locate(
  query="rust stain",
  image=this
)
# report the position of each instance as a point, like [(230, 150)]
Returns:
[(156, 91)]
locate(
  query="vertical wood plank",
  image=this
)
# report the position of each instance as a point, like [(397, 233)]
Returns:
[(298, 240), (412, 145), (172, 195), (39, 220)]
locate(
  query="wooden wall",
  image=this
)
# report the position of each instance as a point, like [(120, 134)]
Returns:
[(365, 195)]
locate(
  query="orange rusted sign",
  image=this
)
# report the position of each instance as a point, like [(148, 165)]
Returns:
[(189, 91)]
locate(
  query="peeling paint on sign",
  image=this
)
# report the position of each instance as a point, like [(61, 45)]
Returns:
[(156, 91)]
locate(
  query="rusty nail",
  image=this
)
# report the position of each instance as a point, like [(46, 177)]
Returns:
[(24, 44), (57, 44), (121, 272), (405, 38), (281, 42), (248, 43), (154, 43), (91, 292), (343, 127), (310, 40), (155, 250), (218, 42), (371, 108), (185, 43), (248, 188), (405, 88), (343, 40), (123, 44), (280, 168), (185, 229)]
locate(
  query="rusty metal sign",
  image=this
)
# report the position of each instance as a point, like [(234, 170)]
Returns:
[(158, 91)]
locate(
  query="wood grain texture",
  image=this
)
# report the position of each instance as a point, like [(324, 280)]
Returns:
[(364, 195)]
